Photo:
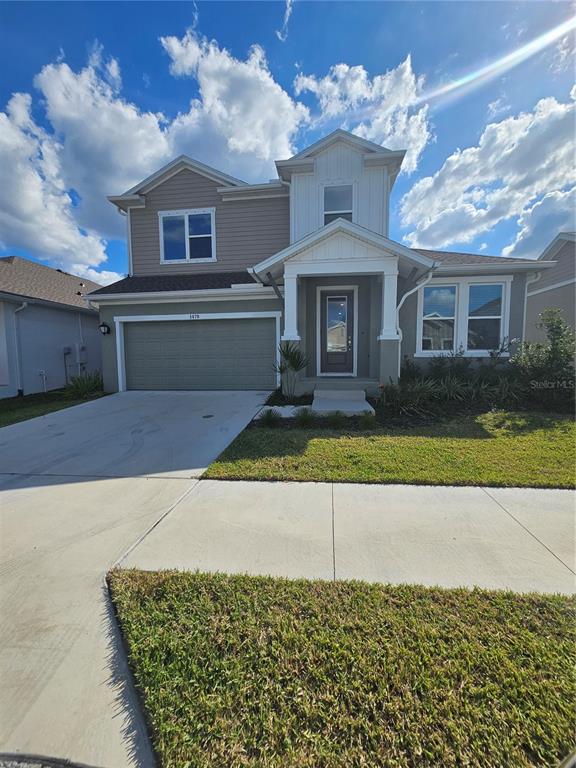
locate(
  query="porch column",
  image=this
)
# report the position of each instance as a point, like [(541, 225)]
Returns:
[(290, 309), (389, 337), (388, 330)]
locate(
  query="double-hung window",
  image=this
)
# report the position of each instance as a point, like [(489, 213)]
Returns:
[(468, 314), (484, 316), (337, 202), (187, 236), (439, 318)]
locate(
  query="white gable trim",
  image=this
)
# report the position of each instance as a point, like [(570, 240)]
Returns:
[(183, 162), (355, 231)]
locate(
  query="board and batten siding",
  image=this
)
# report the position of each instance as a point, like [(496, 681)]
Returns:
[(247, 231), (339, 164)]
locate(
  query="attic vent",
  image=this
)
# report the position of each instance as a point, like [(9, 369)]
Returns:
[(59, 270)]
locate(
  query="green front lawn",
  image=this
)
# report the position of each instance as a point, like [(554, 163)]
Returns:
[(15, 409), (256, 671), (493, 449)]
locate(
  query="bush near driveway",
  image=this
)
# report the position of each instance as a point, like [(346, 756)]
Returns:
[(494, 449), (255, 671)]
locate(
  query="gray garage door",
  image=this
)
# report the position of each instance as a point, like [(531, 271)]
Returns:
[(201, 354)]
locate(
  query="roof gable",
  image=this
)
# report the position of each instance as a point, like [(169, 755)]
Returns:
[(132, 197), (339, 135)]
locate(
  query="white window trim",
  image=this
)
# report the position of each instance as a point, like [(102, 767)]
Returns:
[(331, 289), (185, 213), (120, 320), (339, 183), (461, 314)]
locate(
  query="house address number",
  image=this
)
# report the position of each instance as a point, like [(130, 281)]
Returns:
[(194, 317)]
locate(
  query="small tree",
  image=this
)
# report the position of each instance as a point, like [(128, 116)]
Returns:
[(292, 361)]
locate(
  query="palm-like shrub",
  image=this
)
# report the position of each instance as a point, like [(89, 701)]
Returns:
[(292, 361)]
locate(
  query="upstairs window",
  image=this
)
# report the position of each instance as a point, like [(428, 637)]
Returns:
[(187, 236), (337, 203)]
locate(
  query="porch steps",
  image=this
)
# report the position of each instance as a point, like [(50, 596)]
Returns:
[(350, 402)]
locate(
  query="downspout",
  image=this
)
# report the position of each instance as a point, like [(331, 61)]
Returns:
[(19, 383), (419, 284), (529, 280)]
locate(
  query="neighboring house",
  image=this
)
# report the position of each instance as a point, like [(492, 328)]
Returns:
[(221, 271), (47, 331), (555, 287)]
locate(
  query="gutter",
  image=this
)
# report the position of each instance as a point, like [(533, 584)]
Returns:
[(420, 283), (529, 280), (19, 383)]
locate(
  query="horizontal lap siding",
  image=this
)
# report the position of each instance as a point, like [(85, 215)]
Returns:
[(205, 354), (247, 231)]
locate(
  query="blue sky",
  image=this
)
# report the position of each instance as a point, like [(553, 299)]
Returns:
[(95, 96)]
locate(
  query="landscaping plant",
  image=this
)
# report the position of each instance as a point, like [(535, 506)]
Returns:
[(270, 418), (305, 418), (292, 362), (85, 385)]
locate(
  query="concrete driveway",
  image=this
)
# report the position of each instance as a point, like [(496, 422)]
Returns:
[(79, 487), (132, 434)]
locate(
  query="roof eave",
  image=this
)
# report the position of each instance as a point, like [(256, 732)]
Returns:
[(505, 266)]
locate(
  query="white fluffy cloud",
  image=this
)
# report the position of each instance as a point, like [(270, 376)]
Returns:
[(53, 197), (541, 222), (240, 102), (35, 208), (383, 109), (516, 162)]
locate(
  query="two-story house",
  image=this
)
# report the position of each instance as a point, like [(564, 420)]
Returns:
[(220, 272)]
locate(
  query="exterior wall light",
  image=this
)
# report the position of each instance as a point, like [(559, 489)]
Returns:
[(104, 329)]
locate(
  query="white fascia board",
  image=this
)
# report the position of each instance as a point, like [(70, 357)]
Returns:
[(340, 135), (254, 191), (162, 297), (506, 266), (125, 202), (353, 230)]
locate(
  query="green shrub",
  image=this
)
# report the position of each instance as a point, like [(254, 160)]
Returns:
[(453, 365), (305, 418), (270, 418), (85, 385), (452, 389), (410, 370), (547, 369), (292, 360), (335, 420), (416, 397), (367, 421)]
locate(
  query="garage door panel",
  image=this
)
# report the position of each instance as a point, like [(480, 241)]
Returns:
[(202, 354)]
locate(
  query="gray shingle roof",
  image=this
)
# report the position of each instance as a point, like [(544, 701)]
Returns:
[(452, 257), (23, 277), (153, 283)]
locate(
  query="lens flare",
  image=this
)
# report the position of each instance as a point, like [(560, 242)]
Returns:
[(498, 67)]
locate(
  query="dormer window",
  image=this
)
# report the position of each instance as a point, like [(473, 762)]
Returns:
[(187, 236), (337, 202)]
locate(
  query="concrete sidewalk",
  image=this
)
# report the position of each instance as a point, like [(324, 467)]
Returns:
[(519, 539)]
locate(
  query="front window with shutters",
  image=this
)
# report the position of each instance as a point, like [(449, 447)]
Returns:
[(187, 236)]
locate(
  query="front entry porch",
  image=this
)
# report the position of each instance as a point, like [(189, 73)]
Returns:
[(340, 303)]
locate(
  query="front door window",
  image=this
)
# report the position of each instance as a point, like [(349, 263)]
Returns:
[(337, 325), (336, 351)]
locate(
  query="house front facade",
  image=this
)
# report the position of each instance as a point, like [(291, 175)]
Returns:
[(221, 272)]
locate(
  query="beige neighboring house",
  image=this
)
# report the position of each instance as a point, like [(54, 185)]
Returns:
[(553, 287), (47, 331)]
